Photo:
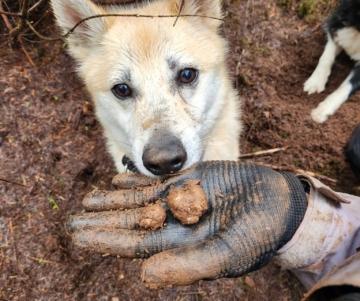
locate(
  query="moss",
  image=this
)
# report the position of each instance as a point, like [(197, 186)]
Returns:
[(306, 8), (284, 135), (246, 43), (263, 49), (285, 3), (331, 168), (311, 11)]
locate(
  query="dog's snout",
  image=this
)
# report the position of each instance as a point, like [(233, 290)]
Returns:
[(165, 156)]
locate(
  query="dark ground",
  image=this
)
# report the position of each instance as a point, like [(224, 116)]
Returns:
[(51, 142)]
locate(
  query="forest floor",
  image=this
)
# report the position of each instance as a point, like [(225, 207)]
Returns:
[(51, 142)]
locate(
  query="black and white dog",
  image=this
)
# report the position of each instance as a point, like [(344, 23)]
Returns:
[(343, 31)]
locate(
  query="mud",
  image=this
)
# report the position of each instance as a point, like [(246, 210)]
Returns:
[(189, 203), (152, 217), (132, 180)]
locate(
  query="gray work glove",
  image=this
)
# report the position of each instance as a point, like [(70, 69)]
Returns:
[(253, 211)]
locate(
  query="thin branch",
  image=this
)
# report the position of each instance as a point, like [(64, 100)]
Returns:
[(35, 6), (181, 8), (23, 15), (21, 22), (40, 260), (111, 15), (24, 9), (24, 19), (6, 20), (25, 51), (19, 28), (37, 22), (7, 181), (14, 246), (2, 12), (265, 152), (298, 172)]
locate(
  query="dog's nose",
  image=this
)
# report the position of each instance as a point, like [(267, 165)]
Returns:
[(164, 157)]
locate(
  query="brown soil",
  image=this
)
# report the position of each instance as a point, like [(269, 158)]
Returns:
[(152, 217), (55, 147), (188, 203)]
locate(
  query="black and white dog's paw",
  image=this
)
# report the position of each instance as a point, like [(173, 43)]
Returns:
[(320, 114), (129, 165), (316, 82)]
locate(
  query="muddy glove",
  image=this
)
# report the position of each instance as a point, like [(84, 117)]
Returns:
[(253, 211)]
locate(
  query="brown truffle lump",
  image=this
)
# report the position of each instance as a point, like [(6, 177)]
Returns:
[(188, 204), (152, 217)]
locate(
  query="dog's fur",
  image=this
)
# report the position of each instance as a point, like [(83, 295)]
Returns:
[(343, 32), (352, 151), (147, 54)]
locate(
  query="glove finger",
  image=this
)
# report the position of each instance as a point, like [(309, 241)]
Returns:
[(132, 180), (139, 243), (101, 200), (109, 241), (184, 266), (127, 219)]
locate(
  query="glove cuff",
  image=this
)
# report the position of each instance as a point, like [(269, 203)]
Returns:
[(298, 206)]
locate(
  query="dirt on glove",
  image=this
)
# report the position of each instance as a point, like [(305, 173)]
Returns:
[(152, 217), (131, 180), (188, 204)]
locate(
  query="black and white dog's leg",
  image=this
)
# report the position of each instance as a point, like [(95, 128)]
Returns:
[(319, 78), (337, 98)]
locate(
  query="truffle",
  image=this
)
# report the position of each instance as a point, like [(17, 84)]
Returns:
[(152, 217), (188, 204)]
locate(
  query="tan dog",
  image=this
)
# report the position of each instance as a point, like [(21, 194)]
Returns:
[(162, 92)]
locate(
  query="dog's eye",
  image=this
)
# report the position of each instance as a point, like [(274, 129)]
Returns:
[(121, 91), (187, 76)]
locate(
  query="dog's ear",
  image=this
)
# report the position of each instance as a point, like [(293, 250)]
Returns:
[(69, 12), (209, 8)]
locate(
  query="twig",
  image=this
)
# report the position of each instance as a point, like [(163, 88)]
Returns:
[(40, 260), (2, 12), (252, 125), (11, 227), (25, 51), (111, 15), (25, 12), (298, 172), (14, 245), (7, 181), (6, 20), (181, 8), (24, 9), (37, 22), (62, 248), (265, 152), (21, 22), (35, 6)]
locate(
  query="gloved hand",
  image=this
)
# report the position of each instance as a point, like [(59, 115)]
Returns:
[(253, 211)]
